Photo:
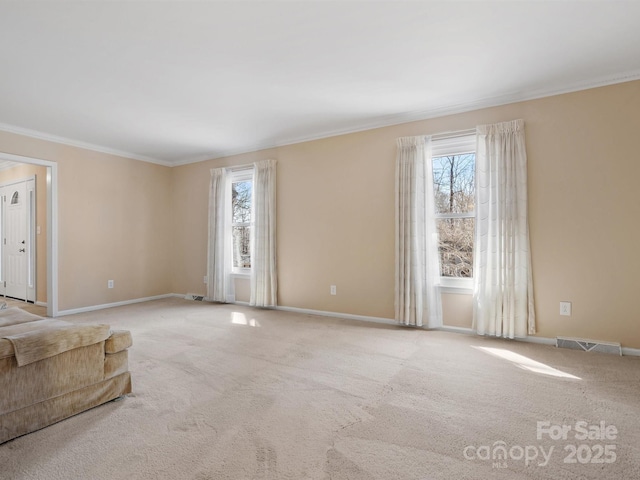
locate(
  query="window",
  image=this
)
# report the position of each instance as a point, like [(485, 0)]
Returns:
[(241, 217), (453, 163)]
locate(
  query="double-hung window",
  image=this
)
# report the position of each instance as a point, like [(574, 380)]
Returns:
[(241, 191), (453, 160)]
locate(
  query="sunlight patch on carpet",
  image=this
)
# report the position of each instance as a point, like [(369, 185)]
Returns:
[(527, 363), (239, 318)]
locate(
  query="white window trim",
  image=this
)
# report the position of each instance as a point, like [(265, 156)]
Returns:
[(456, 285), (454, 143), (238, 175)]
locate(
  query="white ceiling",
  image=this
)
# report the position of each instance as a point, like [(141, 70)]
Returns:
[(176, 82)]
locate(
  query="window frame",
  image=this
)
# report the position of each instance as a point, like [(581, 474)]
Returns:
[(236, 176), (453, 144)]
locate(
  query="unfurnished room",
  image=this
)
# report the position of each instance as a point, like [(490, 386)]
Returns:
[(318, 240)]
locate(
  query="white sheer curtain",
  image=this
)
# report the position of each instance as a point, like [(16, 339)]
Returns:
[(417, 299), (217, 277), (503, 287), (263, 256)]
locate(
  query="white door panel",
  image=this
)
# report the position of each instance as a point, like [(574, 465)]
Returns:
[(17, 210)]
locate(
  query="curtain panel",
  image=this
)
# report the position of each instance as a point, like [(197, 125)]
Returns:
[(217, 278), (264, 287), (417, 299), (503, 287)]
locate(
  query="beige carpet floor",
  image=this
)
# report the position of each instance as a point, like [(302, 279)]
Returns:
[(229, 392), (29, 307)]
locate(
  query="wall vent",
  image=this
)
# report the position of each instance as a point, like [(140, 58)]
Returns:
[(193, 296), (589, 345)]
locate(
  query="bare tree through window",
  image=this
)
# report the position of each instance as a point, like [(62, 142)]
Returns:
[(241, 223), (454, 192)]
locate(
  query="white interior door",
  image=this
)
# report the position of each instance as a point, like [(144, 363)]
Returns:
[(18, 211)]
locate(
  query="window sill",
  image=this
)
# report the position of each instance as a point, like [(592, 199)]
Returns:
[(245, 274), (455, 290), (463, 286)]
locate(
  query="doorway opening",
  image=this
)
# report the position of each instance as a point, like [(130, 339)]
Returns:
[(47, 220)]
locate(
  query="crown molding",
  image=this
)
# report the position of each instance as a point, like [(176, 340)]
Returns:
[(239, 151), (79, 144), (418, 115), (378, 122)]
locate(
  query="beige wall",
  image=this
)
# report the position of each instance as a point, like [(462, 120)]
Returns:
[(145, 226), (114, 223), (336, 215), (21, 172)]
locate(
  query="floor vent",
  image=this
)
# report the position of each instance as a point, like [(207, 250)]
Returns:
[(588, 345), (193, 296)]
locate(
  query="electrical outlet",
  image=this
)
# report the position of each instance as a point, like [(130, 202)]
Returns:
[(109, 283), (205, 279), (333, 290), (565, 309)]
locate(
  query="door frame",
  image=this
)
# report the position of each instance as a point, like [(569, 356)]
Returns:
[(52, 225)]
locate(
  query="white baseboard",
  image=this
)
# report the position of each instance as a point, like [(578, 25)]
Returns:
[(464, 330), (348, 316), (539, 340), (444, 328), (632, 352), (41, 304), (323, 313), (93, 308)]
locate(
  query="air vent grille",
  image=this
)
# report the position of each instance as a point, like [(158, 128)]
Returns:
[(588, 345)]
